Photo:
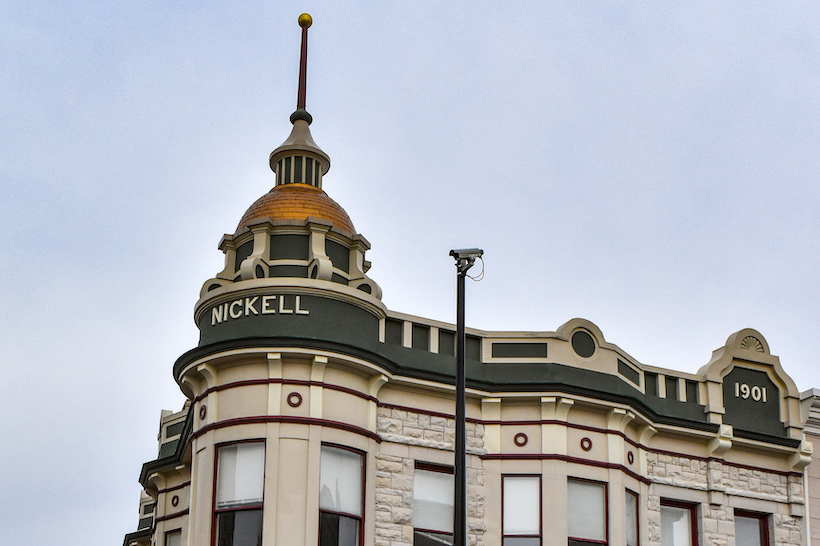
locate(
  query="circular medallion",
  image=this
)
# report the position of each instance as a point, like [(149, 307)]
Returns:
[(583, 343), (586, 444), (630, 457), (174, 500), (203, 411), (520, 439), (294, 399)]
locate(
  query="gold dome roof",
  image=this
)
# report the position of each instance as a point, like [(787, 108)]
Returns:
[(297, 202)]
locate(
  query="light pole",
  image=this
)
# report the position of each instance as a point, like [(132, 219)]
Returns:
[(465, 258)]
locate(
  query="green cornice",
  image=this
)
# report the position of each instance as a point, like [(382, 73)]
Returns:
[(487, 377)]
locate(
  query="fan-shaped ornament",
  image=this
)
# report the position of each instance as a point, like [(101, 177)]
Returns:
[(752, 344)]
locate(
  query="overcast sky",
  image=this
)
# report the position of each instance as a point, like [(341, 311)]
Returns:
[(652, 167)]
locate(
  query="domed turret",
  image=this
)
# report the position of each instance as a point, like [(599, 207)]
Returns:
[(297, 202), (295, 234)]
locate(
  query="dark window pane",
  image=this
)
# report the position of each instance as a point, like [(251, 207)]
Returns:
[(309, 171), (240, 528), (348, 531), (424, 538), (174, 429), (287, 170), (338, 530), (297, 169)]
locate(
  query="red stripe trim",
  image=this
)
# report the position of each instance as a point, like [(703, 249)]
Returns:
[(568, 459), (369, 434), (589, 428), (165, 518), (169, 489), (286, 419), (301, 382)]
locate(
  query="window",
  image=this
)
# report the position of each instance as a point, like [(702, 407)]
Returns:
[(433, 496), (521, 513), (341, 498), (631, 514), (751, 528), (239, 486), (586, 512), (678, 524), (173, 538)]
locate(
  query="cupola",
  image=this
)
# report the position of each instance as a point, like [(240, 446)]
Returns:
[(295, 230)]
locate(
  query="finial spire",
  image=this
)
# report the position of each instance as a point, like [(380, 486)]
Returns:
[(305, 20), (299, 159)]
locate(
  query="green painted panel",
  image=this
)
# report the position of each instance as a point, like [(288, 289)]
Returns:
[(752, 402), (472, 349), (421, 337), (338, 279), (519, 350), (393, 331), (289, 247), (300, 271), (447, 342), (629, 372), (331, 325), (671, 388), (243, 251), (583, 344), (691, 391), (651, 383), (338, 254), (275, 315)]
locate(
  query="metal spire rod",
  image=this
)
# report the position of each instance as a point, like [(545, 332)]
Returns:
[(305, 21)]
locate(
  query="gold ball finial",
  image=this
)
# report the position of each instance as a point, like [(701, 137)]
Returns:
[(305, 20)]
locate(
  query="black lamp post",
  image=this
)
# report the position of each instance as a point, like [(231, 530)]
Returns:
[(465, 259)]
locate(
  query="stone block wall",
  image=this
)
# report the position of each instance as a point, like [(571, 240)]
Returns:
[(394, 474), (716, 521)]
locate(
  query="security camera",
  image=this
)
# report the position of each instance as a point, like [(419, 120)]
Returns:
[(467, 254)]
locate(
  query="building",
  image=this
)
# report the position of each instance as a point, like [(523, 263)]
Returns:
[(315, 415)]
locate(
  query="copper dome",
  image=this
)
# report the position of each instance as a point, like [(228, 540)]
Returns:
[(297, 202)]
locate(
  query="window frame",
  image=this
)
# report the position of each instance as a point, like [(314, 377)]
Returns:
[(693, 517), (572, 541), (171, 533), (762, 517), (430, 467), (540, 534), (215, 512), (637, 497), (360, 519)]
